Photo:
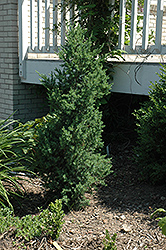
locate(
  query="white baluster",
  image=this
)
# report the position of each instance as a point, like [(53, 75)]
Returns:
[(39, 14), (71, 14), (55, 22), (159, 24), (32, 24), (47, 23), (62, 23), (146, 24), (122, 24), (133, 24)]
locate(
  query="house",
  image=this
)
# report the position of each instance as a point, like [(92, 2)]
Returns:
[(27, 45), (25, 101)]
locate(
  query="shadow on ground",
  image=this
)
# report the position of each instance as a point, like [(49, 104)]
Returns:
[(125, 191)]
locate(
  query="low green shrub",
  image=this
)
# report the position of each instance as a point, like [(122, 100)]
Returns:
[(47, 223), (162, 220), (7, 220), (68, 148), (151, 129), (109, 241)]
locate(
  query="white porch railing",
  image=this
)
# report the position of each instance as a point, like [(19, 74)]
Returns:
[(37, 19), (37, 32), (152, 21)]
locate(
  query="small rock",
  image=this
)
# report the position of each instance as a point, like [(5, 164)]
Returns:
[(90, 232), (126, 228), (71, 231), (123, 217), (116, 217)]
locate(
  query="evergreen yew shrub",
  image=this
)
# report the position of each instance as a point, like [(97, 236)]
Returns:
[(151, 129), (69, 143)]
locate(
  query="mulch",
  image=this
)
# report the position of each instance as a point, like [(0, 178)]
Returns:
[(123, 207)]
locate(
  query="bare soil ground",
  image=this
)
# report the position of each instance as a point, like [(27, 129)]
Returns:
[(122, 207)]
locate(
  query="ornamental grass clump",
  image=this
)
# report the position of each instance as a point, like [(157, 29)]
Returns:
[(151, 129), (69, 143), (13, 157)]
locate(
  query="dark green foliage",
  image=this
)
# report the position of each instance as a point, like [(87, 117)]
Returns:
[(69, 139), (81, 81), (151, 129), (47, 223), (100, 19)]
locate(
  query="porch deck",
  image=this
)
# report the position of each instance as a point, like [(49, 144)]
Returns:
[(131, 75)]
